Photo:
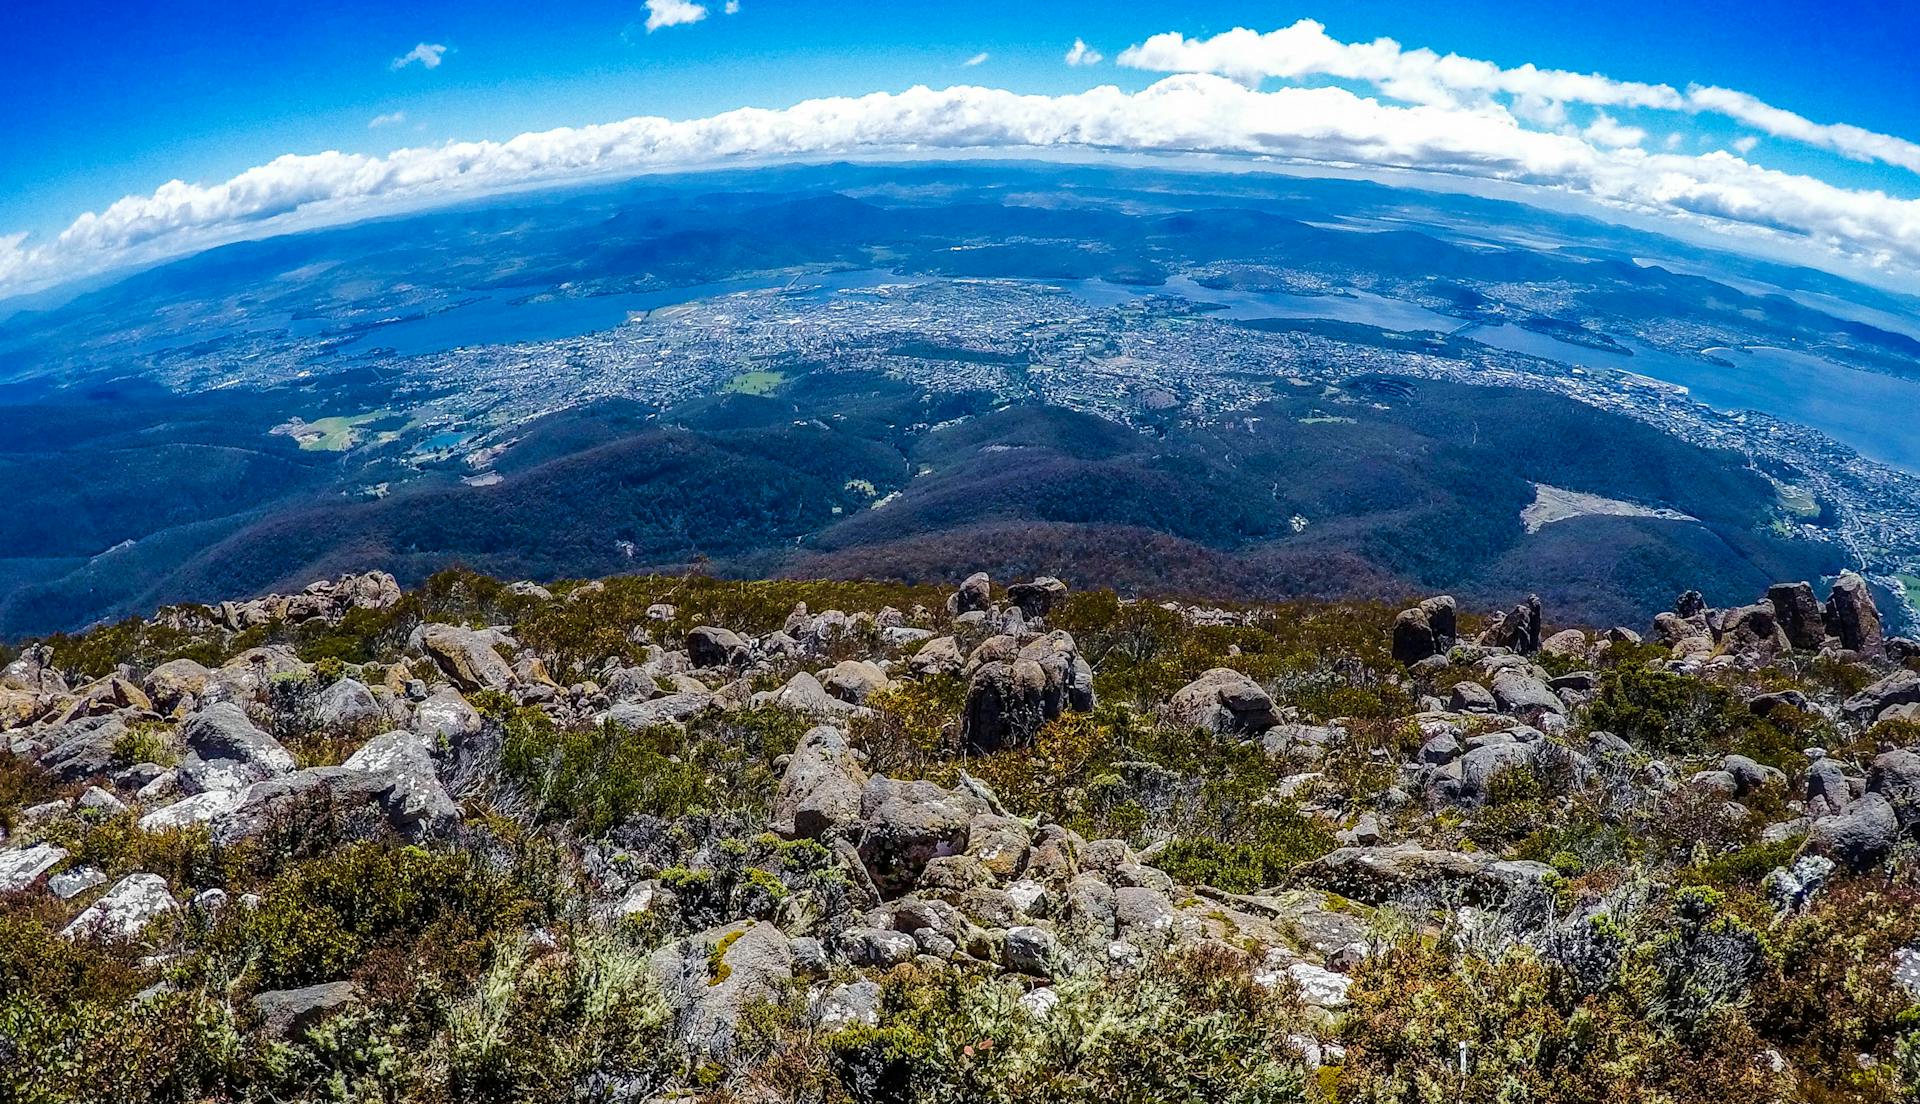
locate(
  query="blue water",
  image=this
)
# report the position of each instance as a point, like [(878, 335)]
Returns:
[(1868, 411), (441, 441), (497, 319)]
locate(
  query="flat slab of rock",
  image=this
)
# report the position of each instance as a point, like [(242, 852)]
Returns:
[(285, 1013), (134, 902), (1410, 874), (20, 868)]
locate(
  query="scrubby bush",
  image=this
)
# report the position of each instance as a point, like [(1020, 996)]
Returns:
[(322, 920), (1663, 710), (598, 776), (1193, 1027)]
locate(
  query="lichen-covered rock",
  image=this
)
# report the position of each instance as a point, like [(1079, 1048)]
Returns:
[(848, 1004), (803, 694), (1032, 950), (1859, 837), (1897, 689), (176, 683), (200, 808), (1225, 701), (408, 800), (416, 803), (21, 867), (226, 751), (905, 825), (446, 718), (710, 980), (466, 657), (124, 913), (820, 792), (1525, 696), (83, 748), (854, 680), (1407, 873), (674, 708), (938, 656), (289, 1013), (346, 705)]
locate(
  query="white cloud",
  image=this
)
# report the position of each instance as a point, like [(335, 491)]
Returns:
[(732, 7), (1745, 143), (1849, 141), (1082, 54), (1416, 76), (673, 13), (1605, 130), (1425, 77), (428, 54), (391, 118), (977, 59), (1187, 113)]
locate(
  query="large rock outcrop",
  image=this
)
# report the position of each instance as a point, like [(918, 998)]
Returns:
[(1853, 618), (1014, 689)]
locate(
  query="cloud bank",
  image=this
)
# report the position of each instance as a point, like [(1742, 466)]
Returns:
[(1206, 112), (1425, 77)]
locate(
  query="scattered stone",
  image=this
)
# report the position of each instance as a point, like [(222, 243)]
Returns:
[(711, 979), (1407, 873), (69, 884), (347, 705), (848, 1004), (466, 657), (1032, 950), (905, 825), (1008, 700), (1225, 701), (1799, 615), (290, 1013), (974, 596), (712, 646), (22, 867), (134, 902), (820, 792)]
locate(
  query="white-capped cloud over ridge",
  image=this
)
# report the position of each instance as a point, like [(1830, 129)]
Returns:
[(1221, 112)]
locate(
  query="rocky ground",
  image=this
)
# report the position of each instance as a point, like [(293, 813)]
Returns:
[(655, 838)]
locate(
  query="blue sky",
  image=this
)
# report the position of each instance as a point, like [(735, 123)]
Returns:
[(103, 100)]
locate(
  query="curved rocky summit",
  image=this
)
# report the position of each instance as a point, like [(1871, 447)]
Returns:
[(673, 838)]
